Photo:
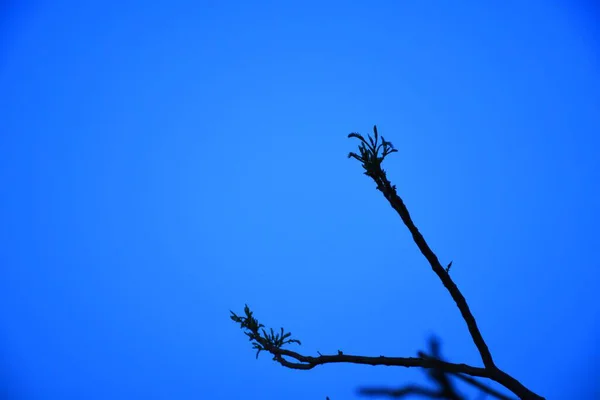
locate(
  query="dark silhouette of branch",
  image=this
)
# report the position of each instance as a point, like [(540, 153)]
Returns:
[(372, 165), (371, 162), (444, 390), (371, 159)]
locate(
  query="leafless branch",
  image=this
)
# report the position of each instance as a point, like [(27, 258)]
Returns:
[(272, 342)]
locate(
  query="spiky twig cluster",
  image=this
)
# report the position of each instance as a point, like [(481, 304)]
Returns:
[(369, 152), (267, 341)]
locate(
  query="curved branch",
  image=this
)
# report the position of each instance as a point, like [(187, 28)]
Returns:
[(309, 362)]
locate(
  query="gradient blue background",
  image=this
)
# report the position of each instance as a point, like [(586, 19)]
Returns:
[(162, 163)]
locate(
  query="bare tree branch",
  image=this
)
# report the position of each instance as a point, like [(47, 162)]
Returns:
[(372, 164), (373, 169), (272, 342)]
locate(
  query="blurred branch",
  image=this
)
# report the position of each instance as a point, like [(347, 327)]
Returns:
[(444, 390), (405, 391)]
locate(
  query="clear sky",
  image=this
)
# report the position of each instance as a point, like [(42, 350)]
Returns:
[(162, 163)]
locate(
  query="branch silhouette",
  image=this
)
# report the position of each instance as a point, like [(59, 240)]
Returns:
[(444, 390), (371, 158)]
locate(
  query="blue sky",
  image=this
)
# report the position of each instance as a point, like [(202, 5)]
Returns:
[(162, 163)]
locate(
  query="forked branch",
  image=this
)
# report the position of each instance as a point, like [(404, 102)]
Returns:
[(371, 158)]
